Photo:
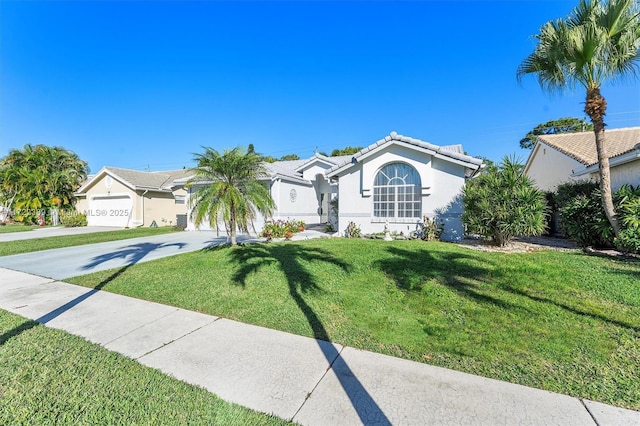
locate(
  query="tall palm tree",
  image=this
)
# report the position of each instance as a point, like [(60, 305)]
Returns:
[(230, 190), (597, 42)]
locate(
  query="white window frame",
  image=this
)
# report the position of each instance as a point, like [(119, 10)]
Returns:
[(399, 198)]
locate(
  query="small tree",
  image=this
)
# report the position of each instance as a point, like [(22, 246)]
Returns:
[(289, 157), (503, 203), (555, 127), (230, 190), (348, 150)]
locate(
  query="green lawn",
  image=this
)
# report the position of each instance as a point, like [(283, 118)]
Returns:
[(51, 377), (36, 244), (16, 228), (565, 322)]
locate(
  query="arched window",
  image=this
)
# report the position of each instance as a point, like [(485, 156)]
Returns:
[(396, 192)]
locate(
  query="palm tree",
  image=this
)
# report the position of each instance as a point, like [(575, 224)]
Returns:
[(597, 42), (40, 177), (231, 190)]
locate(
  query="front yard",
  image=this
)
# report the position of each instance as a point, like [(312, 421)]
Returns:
[(565, 322)]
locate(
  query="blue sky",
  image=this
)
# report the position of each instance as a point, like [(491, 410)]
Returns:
[(145, 84)]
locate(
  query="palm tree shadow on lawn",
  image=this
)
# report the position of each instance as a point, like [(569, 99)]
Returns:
[(133, 253), (289, 258), (411, 269)]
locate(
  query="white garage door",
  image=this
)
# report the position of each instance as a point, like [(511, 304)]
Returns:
[(110, 211)]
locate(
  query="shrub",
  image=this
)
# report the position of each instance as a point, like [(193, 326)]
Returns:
[(629, 240), (280, 228), (584, 221), (353, 230), (627, 199), (430, 229), (503, 203), (582, 218), (73, 219)]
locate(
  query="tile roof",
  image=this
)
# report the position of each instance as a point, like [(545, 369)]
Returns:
[(160, 181), (452, 151), (285, 168), (582, 146)]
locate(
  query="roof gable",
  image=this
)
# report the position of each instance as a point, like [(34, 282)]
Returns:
[(452, 153), (135, 179), (317, 158)]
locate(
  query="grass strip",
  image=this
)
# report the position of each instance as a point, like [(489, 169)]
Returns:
[(51, 377), (564, 322), (8, 248), (9, 228)]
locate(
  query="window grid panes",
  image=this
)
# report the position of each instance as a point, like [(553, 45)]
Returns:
[(396, 192)]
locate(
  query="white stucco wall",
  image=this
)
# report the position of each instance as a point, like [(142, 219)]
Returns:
[(316, 168), (549, 167), (305, 206), (441, 183)]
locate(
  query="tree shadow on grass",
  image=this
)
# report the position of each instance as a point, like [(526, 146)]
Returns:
[(411, 269), (290, 259), (574, 309), (134, 253)]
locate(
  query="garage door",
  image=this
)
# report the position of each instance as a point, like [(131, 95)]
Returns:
[(110, 211)]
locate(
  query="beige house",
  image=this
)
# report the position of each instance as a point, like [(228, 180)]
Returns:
[(569, 157), (130, 198)]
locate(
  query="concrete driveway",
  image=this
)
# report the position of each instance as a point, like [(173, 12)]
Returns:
[(79, 260)]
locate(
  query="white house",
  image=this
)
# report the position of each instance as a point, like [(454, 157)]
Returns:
[(395, 181), (398, 180), (568, 157)]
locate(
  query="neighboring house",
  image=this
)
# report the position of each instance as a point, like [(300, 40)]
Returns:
[(396, 181), (569, 157), (131, 198)]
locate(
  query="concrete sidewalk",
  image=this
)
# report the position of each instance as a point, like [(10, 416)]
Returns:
[(297, 378)]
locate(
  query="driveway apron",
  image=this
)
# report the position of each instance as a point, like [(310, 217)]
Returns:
[(79, 260)]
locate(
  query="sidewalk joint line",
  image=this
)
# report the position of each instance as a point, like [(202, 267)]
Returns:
[(590, 413), (306, 398), (176, 339), (143, 325)]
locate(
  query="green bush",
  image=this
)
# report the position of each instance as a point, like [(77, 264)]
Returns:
[(629, 241), (627, 199), (73, 219), (584, 221), (503, 203)]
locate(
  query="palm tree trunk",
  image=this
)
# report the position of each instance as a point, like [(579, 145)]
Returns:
[(595, 108), (232, 225)]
